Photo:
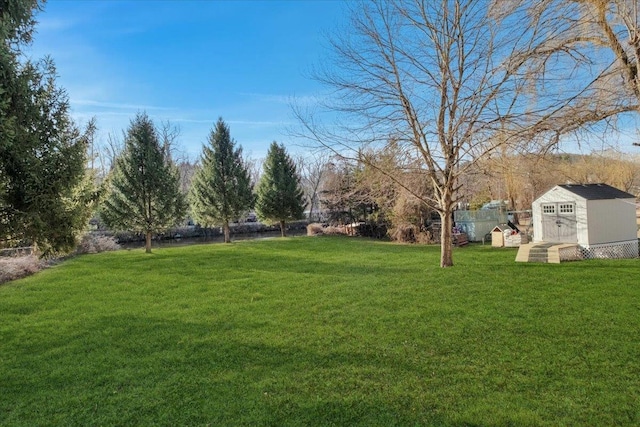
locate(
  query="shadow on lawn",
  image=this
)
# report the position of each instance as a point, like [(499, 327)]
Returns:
[(128, 369)]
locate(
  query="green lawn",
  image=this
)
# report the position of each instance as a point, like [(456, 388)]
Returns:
[(321, 331)]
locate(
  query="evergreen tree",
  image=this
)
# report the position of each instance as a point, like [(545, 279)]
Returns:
[(44, 197), (144, 194), (221, 189), (279, 194)]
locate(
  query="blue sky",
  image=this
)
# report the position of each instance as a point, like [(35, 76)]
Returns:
[(192, 61), (189, 62)]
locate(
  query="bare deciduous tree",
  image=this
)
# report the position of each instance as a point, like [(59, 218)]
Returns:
[(254, 166), (617, 29), (398, 202), (312, 170), (443, 79), (530, 175), (598, 41), (340, 196), (169, 135), (108, 151)]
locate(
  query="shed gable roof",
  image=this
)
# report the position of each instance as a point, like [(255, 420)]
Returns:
[(596, 191)]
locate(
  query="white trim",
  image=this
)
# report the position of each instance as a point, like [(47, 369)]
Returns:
[(566, 208), (548, 209)]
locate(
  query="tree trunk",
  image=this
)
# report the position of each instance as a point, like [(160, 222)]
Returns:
[(446, 238), (147, 245), (227, 234), (283, 232)]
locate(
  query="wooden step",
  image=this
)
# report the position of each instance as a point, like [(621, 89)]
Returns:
[(541, 252)]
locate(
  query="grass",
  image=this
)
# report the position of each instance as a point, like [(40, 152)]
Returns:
[(321, 331)]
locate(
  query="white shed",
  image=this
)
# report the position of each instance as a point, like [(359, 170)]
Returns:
[(601, 219)]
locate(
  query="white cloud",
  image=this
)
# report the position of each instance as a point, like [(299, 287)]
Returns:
[(48, 24), (302, 100), (117, 106), (257, 123)]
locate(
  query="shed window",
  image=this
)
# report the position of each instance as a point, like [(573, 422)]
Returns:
[(566, 208), (549, 209)]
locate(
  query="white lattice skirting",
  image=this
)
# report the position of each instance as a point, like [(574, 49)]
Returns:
[(611, 250), (571, 253)]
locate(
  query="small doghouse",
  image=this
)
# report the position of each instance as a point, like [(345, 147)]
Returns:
[(599, 218), (504, 235)]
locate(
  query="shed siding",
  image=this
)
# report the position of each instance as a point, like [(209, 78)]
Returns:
[(611, 221), (583, 220)]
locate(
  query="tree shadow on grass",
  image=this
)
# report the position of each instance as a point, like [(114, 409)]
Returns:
[(136, 370)]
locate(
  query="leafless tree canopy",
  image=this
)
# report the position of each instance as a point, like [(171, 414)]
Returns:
[(452, 81), (312, 170), (589, 49)]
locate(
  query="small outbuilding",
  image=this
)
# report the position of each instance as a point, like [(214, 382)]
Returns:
[(505, 235), (599, 218)]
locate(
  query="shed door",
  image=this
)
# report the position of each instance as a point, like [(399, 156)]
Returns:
[(559, 222)]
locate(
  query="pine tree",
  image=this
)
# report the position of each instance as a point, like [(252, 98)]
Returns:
[(279, 194), (221, 189), (144, 194), (45, 198)]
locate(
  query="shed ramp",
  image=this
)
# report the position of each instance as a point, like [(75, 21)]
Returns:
[(553, 253)]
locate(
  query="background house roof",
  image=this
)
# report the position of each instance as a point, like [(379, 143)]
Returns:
[(597, 191)]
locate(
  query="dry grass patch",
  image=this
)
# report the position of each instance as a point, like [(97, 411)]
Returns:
[(317, 229), (12, 268), (25, 264), (96, 243), (314, 229)]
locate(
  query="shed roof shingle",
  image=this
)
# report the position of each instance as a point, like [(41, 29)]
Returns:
[(597, 191)]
